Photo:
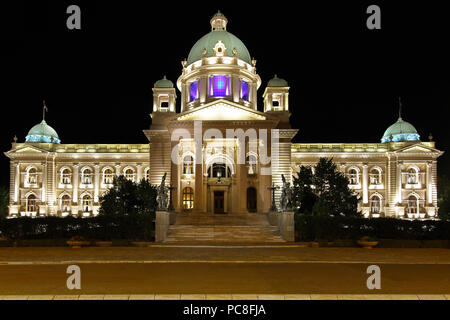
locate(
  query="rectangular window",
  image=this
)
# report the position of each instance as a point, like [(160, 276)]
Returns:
[(244, 90), (194, 90), (219, 86)]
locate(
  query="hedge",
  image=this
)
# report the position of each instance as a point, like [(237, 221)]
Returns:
[(137, 227), (311, 228)]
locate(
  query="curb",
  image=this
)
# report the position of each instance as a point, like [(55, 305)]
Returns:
[(231, 297), (15, 263)]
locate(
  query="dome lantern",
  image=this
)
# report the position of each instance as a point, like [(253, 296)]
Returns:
[(219, 22)]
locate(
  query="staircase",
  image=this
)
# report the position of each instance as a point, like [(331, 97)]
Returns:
[(223, 228)]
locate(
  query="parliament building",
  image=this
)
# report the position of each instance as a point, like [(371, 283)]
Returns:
[(210, 170)]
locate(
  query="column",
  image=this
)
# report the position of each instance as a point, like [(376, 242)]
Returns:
[(286, 101), (429, 183), (117, 169), (44, 182), (16, 181), (75, 183), (204, 82), (399, 181), (139, 172), (96, 182), (365, 184), (235, 88)]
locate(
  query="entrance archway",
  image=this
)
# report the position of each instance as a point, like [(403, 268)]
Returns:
[(251, 199)]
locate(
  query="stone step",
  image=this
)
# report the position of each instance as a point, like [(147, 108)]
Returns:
[(223, 233)]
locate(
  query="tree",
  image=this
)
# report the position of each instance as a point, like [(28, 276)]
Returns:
[(126, 197), (4, 201), (324, 192), (444, 197), (302, 192)]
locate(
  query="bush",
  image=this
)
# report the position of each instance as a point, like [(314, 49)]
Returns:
[(136, 227), (353, 228)]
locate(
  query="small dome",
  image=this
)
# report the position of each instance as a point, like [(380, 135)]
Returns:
[(164, 83), (277, 82), (400, 131), (208, 41), (42, 132)]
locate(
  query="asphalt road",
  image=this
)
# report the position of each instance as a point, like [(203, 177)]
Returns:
[(229, 278)]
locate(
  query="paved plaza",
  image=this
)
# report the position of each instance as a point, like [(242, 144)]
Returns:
[(251, 272)]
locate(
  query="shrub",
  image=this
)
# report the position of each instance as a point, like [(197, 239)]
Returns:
[(324, 227), (136, 227)]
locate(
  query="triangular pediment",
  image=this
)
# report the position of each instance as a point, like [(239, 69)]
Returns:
[(222, 110), (24, 148), (417, 148), (28, 149)]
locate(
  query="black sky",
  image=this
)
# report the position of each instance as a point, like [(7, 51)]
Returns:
[(345, 79)]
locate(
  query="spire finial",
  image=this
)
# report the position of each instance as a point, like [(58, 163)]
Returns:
[(44, 109), (399, 107)]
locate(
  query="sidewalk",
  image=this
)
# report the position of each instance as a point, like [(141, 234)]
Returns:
[(220, 254), (230, 297)]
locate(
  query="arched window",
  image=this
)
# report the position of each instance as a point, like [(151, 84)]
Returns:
[(31, 203), (219, 170), (412, 204), (66, 176), (353, 176), (65, 203), (188, 165), (108, 176), (413, 176), (375, 176), (86, 176), (375, 204), (86, 203), (188, 198), (250, 161), (129, 174), (32, 175), (147, 174)]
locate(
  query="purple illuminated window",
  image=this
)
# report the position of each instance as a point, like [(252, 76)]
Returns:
[(244, 90), (194, 90), (219, 85)]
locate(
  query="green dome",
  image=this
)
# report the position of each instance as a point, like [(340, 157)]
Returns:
[(42, 132), (400, 131), (277, 82), (209, 40), (164, 83)]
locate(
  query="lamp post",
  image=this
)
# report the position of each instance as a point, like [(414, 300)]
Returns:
[(274, 206), (170, 207)]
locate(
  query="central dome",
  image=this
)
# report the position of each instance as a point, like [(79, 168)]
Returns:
[(218, 33)]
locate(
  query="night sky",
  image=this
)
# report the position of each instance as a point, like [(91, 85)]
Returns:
[(345, 79)]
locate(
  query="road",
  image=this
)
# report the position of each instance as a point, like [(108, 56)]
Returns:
[(196, 278)]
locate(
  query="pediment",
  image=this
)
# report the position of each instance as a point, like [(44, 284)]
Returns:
[(28, 149), (417, 148), (222, 110)]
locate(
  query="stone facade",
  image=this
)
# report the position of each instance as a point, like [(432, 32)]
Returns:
[(219, 152)]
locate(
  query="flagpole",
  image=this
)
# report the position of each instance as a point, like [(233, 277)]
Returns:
[(44, 108)]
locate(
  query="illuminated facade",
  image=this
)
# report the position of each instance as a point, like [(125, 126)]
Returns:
[(211, 167)]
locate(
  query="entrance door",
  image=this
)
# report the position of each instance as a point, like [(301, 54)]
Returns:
[(218, 202), (251, 199)]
